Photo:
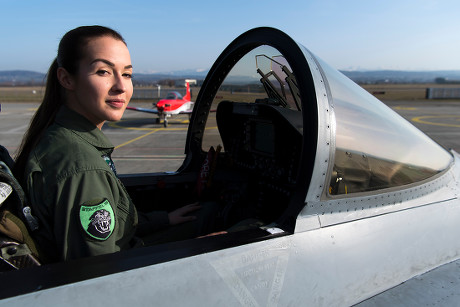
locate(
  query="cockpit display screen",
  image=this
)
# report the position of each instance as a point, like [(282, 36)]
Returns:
[(263, 137)]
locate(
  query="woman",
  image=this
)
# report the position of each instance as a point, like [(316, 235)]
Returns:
[(64, 161)]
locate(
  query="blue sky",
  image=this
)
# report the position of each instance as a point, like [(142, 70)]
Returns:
[(175, 35)]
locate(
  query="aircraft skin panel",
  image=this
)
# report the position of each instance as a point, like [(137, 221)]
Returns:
[(184, 108), (326, 129), (456, 173), (322, 267), (347, 209)]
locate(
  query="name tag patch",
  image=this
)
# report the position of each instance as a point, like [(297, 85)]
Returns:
[(5, 191), (98, 221)]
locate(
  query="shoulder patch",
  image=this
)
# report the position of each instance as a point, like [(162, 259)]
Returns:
[(5, 191), (98, 220)]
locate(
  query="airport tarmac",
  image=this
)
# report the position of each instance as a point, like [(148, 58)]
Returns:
[(144, 146), (139, 142)]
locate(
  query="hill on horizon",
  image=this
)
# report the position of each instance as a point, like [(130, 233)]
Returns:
[(32, 78)]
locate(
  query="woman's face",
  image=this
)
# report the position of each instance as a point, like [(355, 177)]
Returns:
[(102, 87)]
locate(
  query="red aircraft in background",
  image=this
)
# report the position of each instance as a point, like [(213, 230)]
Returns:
[(172, 104)]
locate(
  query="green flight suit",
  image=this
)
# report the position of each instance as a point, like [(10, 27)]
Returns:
[(82, 207)]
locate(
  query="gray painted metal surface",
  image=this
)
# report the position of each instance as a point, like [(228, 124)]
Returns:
[(336, 265)]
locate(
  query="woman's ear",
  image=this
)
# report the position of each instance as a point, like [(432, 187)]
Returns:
[(65, 79)]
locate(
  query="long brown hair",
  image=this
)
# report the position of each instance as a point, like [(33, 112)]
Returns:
[(71, 50)]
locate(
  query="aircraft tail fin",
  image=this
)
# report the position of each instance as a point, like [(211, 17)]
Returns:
[(188, 96)]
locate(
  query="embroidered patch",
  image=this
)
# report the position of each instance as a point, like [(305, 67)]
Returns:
[(5, 191), (98, 220)]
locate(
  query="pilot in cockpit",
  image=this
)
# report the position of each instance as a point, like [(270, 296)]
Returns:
[(65, 165)]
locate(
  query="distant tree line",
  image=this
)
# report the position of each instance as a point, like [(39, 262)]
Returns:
[(441, 80), (21, 83)]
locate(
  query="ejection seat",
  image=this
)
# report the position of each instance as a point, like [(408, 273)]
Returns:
[(17, 248)]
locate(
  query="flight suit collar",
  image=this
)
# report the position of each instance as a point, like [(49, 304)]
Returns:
[(83, 128)]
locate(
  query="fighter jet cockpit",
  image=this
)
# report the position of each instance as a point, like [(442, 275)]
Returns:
[(245, 141), (276, 133), (301, 132), (244, 144), (260, 127)]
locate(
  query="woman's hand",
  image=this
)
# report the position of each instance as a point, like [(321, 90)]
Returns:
[(180, 216)]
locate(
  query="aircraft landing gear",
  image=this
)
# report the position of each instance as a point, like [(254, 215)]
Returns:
[(165, 120), (163, 117)]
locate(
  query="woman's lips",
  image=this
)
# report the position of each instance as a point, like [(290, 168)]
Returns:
[(116, 103)]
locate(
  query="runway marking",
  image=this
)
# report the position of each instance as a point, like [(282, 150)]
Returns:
[(138, 138), (425, 120), (152, 131), (115, 125)]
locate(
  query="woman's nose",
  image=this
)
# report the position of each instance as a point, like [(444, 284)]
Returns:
[(119, 84)]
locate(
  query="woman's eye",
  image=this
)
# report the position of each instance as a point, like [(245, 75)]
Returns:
[(128, 75), (102, 72)]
